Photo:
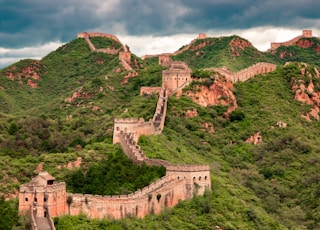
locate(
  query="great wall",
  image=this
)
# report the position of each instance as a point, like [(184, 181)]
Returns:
[(305, 34), (247, 73), (124, 52), (42, 198)]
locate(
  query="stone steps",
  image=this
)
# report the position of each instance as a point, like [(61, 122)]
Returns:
[(43, 223)]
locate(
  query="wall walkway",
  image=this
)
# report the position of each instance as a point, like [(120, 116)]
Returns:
[(247, 73)]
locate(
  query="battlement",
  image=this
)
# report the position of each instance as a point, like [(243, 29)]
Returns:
[(165, 60), (127, 120), (202, 36), (176, 77), (305, 34), (95, 34), (188, 168), (247, 73)]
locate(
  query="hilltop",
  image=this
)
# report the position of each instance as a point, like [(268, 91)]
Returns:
[(62, 108)]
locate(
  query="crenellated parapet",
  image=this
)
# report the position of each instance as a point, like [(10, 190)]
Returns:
[(305, 34), (247, 73), (124, 53), (176, 77), (188, 168), (45, 198), (95, 34)]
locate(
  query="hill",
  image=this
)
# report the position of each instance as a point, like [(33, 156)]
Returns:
[(233, 52), (263, 186)]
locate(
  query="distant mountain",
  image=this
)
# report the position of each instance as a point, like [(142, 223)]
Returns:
[(233, 52), (260, 137)]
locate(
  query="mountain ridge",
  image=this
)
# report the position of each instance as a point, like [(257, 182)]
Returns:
[(253, 186)]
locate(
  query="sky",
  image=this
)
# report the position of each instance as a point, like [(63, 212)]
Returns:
[(34, 28)]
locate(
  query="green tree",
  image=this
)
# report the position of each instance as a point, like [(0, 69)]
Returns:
[(8, 214)]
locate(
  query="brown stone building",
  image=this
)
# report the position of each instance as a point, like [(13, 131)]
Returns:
[(176, 77)]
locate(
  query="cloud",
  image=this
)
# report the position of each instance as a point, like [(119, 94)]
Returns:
[(260, 37), (9, 56), (26, 23), (35, 23)]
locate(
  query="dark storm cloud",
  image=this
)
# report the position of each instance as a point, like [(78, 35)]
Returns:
[(250, 13), (29, 22)]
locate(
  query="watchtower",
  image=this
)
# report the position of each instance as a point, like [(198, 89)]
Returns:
[(176, 77), (307, 33), (42, 195)]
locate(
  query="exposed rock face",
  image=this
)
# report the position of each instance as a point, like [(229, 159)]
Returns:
[(238, 44), (78, 94), (303, 43), (285, 54), (208, 127), (32, 84), (219, 93), (202, 44), (255, 139), (317, 49), (192, 113), (281, 124), (307, 95), (31, 73), (72, 164)]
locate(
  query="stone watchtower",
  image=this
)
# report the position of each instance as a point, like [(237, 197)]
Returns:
[(307, 33), (176, 77), (42, 195)]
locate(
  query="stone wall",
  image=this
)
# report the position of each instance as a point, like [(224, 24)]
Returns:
[(181, 181), (51, 196), (305, 34), (178, 75), (124, 56), (94, 34), (247, 73), (165, 60), (202, 36), (138, 127), (163, 193), (132, 125)]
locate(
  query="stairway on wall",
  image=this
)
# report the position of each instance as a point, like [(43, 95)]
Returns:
[(125, 65), (43, 223), (88, 41)]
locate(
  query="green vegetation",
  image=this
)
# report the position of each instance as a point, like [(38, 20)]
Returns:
[(273, 185), (299, 54), (115, 176), (219, 53), (8, 213), (102, 43)]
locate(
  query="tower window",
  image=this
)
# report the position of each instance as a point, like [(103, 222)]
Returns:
[(26, 199)]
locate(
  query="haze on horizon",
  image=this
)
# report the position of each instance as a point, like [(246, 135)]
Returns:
[(35, 28)]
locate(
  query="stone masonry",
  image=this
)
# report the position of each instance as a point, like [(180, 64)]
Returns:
[(247, 73), (43, 198), (305, 34), (176, 77)]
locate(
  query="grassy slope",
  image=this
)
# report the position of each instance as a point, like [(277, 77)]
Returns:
[(254, 187), (296, 53), (217, 53)]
